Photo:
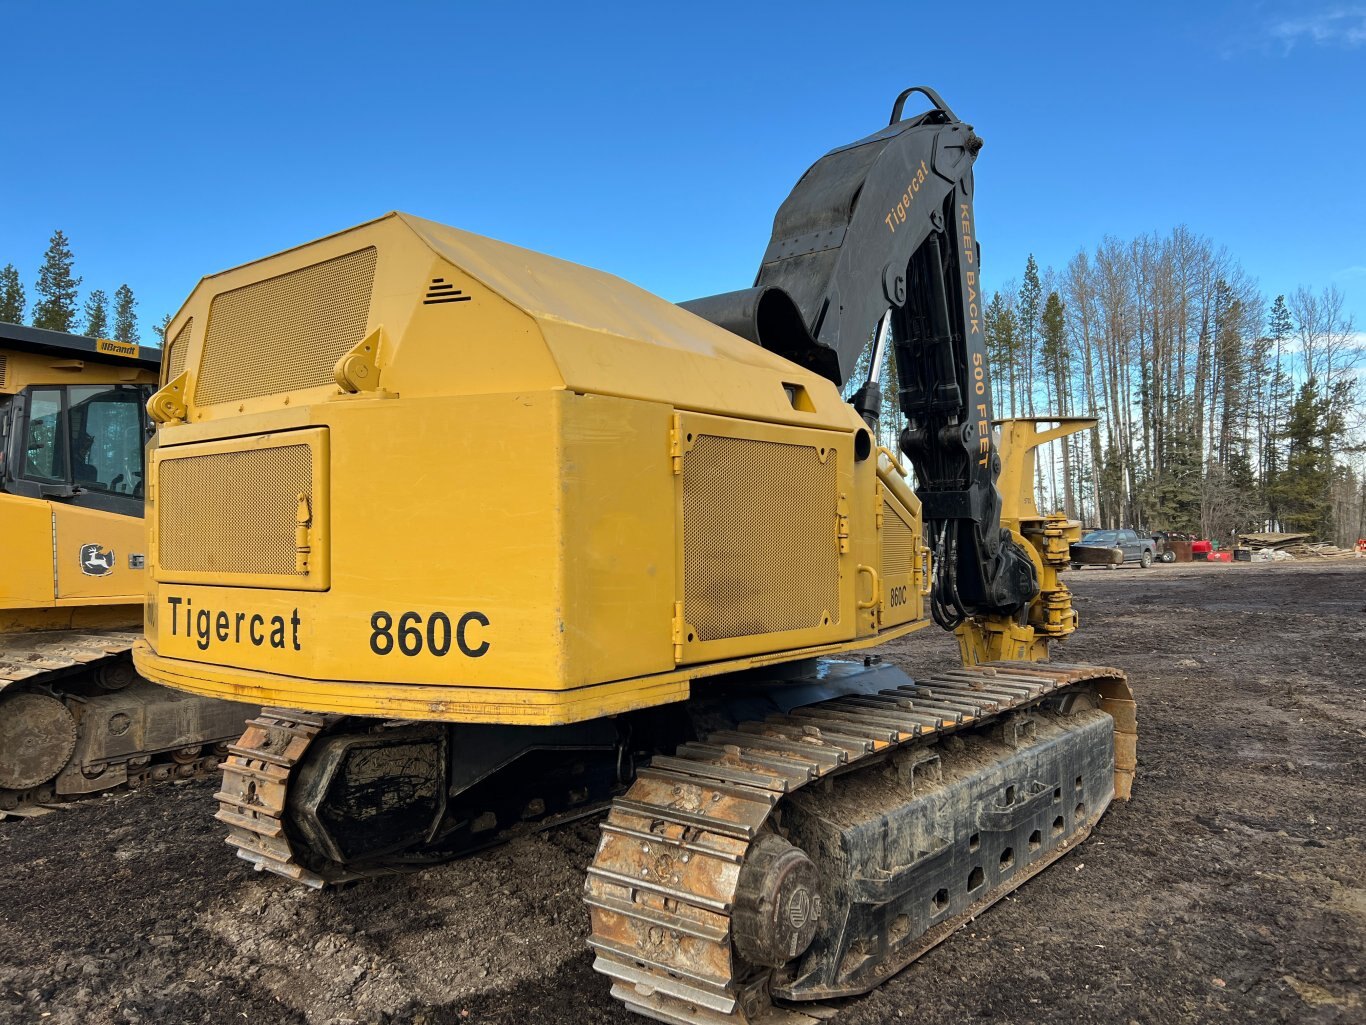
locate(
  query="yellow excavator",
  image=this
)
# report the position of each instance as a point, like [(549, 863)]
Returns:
[(74, 717), (497, 537)]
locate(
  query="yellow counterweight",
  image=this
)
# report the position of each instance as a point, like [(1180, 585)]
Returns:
[(406, 471)]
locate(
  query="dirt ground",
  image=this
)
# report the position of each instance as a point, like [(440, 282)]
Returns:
[(1232, 888)]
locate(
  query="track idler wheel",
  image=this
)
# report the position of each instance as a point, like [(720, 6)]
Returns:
[(37, 738), (777, 903)]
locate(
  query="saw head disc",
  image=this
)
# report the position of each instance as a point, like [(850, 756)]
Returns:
[(37, 738)]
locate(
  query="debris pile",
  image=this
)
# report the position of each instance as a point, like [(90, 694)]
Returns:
[(1267, 547)]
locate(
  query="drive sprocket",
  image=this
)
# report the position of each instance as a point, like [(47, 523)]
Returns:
[(37, 739)]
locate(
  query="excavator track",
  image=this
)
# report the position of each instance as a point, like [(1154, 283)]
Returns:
[(49, 653), (252, 802), (263, 797), (76, 719), (672, 923)]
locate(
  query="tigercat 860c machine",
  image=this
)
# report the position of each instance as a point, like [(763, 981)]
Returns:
[(74, 717), (499, 528)]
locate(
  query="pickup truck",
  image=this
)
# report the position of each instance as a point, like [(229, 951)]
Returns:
[(1142, 550)]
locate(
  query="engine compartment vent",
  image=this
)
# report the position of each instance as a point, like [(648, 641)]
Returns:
[(174, 356), (441, 291), (760, 550), (900, 543), (244, 512), (285, 333), (2, 371)]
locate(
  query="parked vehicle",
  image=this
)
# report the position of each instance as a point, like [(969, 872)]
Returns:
[(1162, 550), (1142, 550)]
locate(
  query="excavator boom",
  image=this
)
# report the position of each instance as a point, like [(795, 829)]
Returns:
[(876, 241)]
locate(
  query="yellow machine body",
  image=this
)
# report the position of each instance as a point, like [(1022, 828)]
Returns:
[(43, 586), (407, 471)]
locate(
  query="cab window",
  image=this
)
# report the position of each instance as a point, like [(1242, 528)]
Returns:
[(106, 429), (45, 439), (90, 437)]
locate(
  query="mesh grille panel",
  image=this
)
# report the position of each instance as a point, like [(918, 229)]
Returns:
[(899, 548), (2, 371), (285, 333), (175, 352), (760, 553), (233, 512)]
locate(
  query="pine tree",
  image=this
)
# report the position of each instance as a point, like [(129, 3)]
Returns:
[(1229, 385), (1173, 496), (1281, 325), (1057, 362), (125, 319), (1302, 491), (1001, 342), (1031, 292), (1110, 486), (163, 326), (56, 307), (97, 314), (12, 298)]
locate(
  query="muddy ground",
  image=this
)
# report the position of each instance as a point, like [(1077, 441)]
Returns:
[(1232, 888)]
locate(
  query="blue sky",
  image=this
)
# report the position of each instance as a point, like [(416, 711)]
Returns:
[(656, 141)]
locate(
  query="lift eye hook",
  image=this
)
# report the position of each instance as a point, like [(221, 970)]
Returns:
[(929, 94)]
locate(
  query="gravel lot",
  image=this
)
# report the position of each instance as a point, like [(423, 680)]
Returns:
[(1232, 888)]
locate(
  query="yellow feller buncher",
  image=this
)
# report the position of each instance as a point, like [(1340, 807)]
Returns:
[(74, 717), (498, 537)]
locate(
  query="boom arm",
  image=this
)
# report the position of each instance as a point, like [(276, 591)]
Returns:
[(877, 240)]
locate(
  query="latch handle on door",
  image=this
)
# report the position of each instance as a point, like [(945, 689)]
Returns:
[(872, 602)]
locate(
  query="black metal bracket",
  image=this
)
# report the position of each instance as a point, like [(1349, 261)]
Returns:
[(925, 91)]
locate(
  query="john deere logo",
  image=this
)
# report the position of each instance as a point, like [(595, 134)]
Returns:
[(96, 561)]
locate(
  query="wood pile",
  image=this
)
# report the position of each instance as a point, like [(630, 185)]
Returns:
[(1297, 546)]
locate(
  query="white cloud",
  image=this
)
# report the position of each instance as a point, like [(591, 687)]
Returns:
[(1350, 273), (1338, 26)]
